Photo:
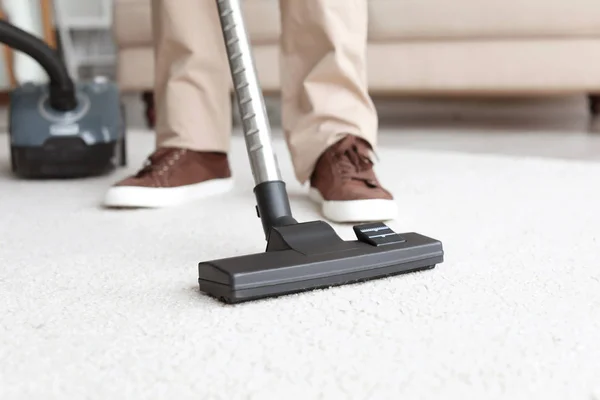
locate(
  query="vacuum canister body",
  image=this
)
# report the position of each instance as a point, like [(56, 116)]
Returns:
[(85, 141)]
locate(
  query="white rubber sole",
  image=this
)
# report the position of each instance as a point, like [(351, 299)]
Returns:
[(372, 210), (146, 197)]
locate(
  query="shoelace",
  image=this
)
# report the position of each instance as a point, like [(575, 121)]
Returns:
[(160, 161), (354, 164)]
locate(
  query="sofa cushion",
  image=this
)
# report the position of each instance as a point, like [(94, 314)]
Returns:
[(132, 21), (482, 19), (391, 20)]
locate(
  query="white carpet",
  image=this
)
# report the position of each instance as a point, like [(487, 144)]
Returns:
[(98, 304)]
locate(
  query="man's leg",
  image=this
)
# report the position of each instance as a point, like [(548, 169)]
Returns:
[(193, 110), (329, 119)]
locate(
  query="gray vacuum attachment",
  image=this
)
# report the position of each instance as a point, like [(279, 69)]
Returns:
[(298, 256)]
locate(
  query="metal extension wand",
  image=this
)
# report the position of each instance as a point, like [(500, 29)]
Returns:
[(272, 200)]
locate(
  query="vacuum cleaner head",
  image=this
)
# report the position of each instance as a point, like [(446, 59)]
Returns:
[(307, 256), (85, 141)]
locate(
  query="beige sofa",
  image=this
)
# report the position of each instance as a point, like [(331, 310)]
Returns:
[(424, 47)]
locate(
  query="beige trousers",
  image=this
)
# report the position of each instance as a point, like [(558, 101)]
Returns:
[(324, 88)]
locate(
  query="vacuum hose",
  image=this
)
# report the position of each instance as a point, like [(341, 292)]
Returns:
[(62, 90)]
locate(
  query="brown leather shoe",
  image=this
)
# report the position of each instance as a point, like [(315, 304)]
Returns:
[(173, 176), (346, 186)]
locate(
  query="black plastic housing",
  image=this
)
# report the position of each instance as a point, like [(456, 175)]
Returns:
[(273, 205), (308, 256), (67, 157)]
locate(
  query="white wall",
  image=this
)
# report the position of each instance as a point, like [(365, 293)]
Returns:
[(26, 14)]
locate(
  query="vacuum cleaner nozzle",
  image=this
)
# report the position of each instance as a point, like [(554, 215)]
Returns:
[(308, 256)]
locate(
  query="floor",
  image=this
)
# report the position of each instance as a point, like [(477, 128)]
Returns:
[(555, 128), (548, 127), (101, 304)]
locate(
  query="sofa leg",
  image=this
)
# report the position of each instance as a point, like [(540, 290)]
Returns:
[(150, 113), (594, 102)]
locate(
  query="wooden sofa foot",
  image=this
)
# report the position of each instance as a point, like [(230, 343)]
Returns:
[(594, 102), (150, 113)]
